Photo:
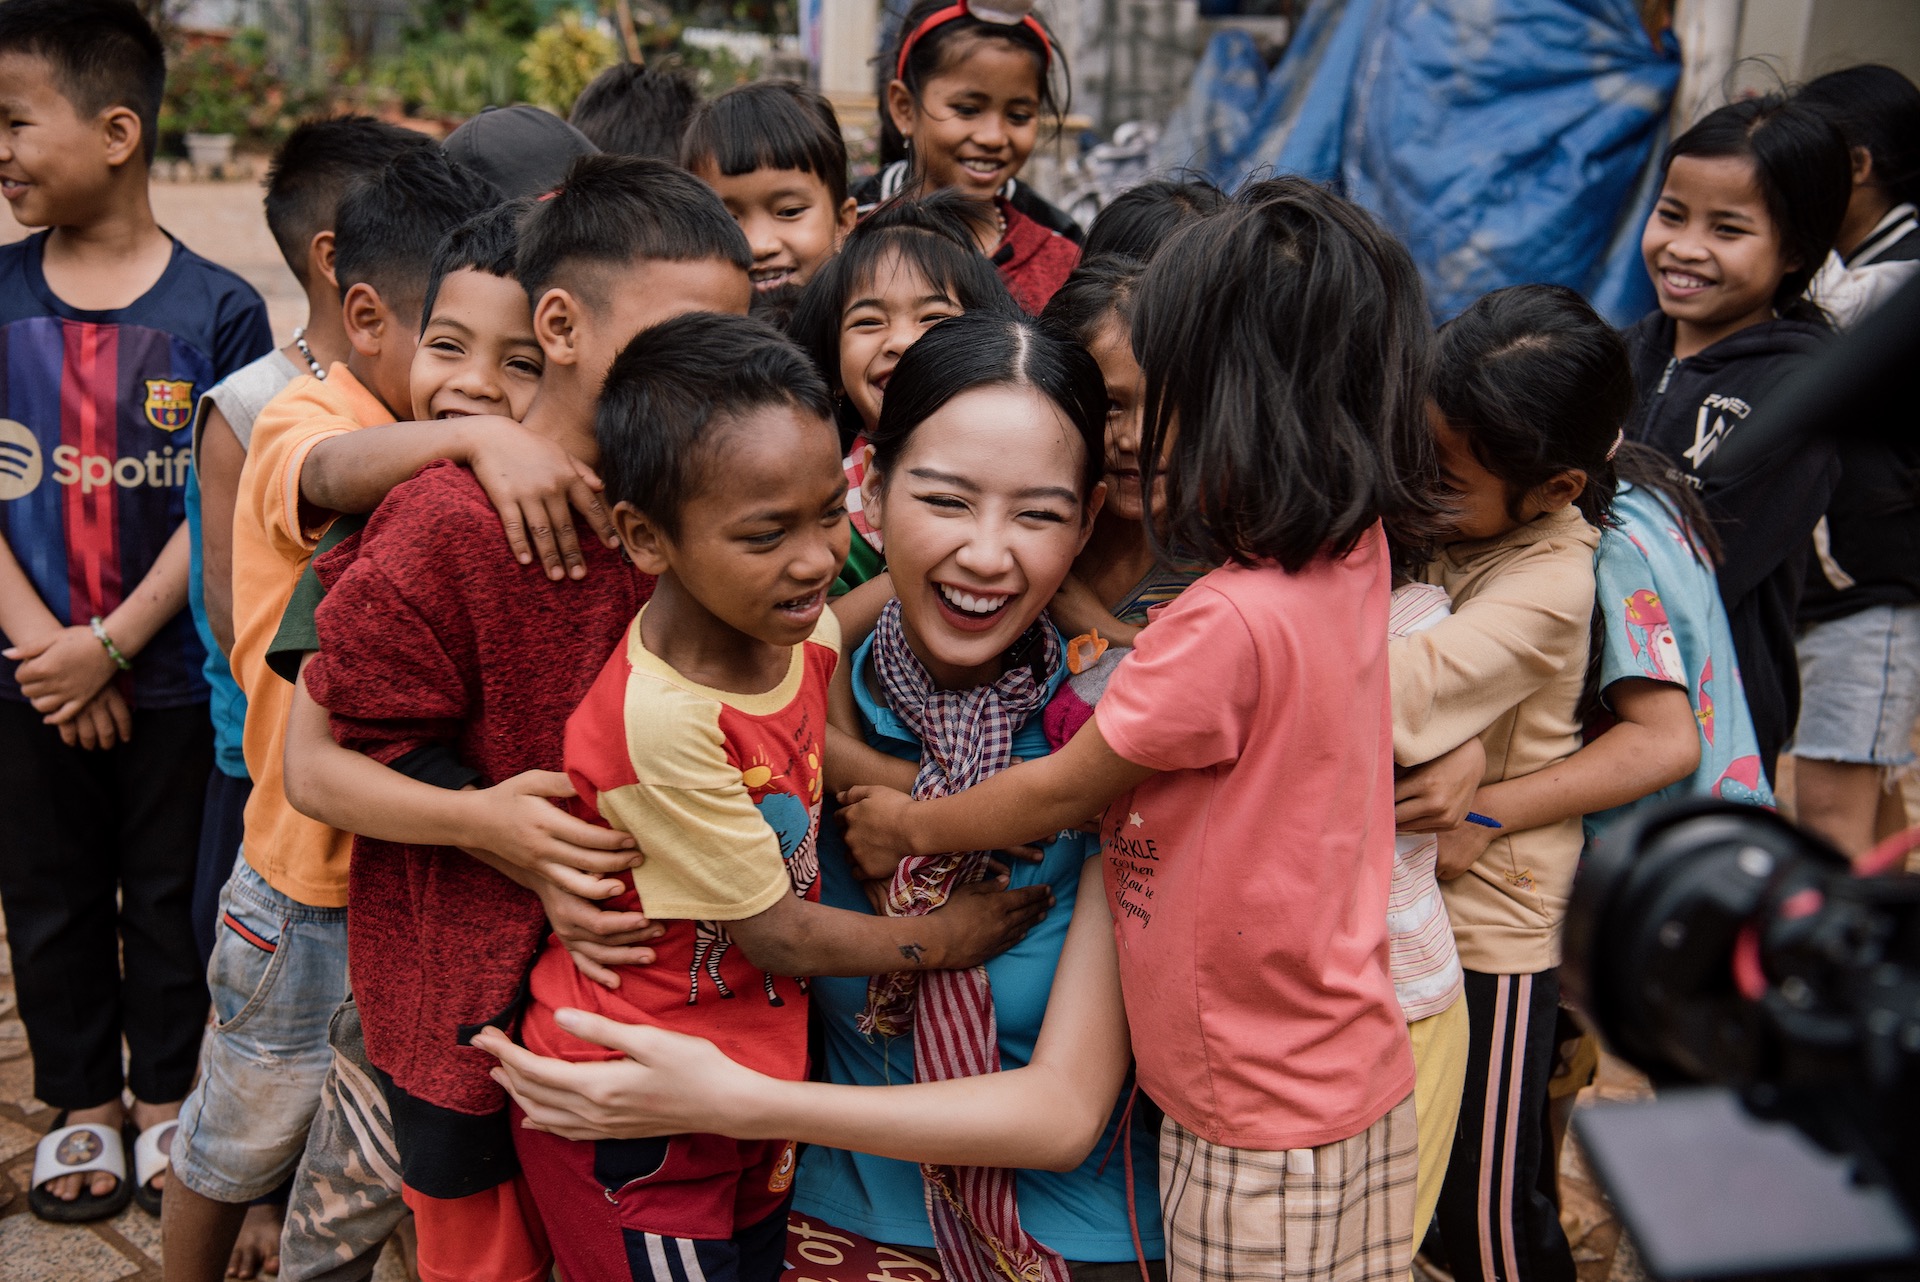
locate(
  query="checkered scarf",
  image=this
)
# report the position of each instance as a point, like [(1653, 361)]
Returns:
[(965, 737)]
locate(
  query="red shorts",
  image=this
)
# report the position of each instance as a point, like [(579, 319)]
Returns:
[(618, 1210), (491, 1236)]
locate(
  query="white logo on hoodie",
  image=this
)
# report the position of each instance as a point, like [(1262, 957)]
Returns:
[(1707, 437)]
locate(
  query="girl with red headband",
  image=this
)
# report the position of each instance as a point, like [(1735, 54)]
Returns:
[(971, 81)]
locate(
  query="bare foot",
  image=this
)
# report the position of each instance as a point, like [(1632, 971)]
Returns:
[(257, 1249), (147, 1116), (99, 1183)]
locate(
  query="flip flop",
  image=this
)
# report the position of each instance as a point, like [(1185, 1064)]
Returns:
[(152, 1157), (79, 1150)]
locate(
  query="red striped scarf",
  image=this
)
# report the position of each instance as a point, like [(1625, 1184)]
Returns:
[(965, 736)]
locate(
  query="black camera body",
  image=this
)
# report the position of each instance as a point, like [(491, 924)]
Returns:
[(1716, 943)]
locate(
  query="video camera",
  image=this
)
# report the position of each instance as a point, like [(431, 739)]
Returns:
[(1716, 943)]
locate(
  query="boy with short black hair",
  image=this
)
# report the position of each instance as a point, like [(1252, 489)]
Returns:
[(111, 328), (703, 737), (634, 110), (774, 153), (280, 953)]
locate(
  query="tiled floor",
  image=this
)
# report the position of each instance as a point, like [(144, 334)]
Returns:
[(126, 1247)]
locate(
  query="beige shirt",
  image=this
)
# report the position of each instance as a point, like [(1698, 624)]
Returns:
[(1507, 667)]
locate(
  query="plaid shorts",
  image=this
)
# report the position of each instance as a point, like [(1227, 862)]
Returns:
[(1342, 1212)]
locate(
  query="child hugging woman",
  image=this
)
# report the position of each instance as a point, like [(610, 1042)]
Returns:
[(970, 84)]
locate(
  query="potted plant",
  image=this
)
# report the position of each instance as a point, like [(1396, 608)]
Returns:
[(206, 103)]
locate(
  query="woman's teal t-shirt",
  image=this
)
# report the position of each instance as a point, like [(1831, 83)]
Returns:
[(1082, 1214)]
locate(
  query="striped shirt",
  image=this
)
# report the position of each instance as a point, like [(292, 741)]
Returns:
[(1425, 966), (95, 446)]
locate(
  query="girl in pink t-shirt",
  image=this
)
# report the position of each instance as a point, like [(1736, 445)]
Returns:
[(1243, 753)]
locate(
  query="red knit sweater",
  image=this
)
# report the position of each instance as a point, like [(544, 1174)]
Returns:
[(431, 633), (1032, 260)]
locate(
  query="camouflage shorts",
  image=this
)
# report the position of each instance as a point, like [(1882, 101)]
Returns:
[(346, 1194)]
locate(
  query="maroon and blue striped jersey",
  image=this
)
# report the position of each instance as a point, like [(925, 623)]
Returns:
[(96, 442)]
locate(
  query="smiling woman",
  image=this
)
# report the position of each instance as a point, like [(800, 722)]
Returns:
[(984, 474)]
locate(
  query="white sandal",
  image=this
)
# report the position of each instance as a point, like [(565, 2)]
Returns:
[(79, 1150), (152, 1157)]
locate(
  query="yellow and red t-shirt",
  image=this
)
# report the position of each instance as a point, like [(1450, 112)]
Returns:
[(722, 791)]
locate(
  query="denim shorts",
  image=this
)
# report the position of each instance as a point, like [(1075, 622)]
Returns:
[(1860, 687), (279, 970)]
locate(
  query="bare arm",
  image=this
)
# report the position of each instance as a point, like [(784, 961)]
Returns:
[(1656, 742), (220, 460), (978, 921), (1046, 1116), (62, 671), (533, 483), (1023, 803), (511, 827), (1077, 611), (514, 819)]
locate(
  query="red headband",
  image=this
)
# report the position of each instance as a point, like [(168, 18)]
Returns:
[(941, 17)]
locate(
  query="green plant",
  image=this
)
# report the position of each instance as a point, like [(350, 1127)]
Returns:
[(454, 73), (716, 70), (219, 87), (563, 58)]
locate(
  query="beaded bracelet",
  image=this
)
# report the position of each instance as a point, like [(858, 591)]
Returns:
[(113, 651)]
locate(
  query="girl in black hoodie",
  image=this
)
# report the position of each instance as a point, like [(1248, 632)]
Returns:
[(1751, 201)]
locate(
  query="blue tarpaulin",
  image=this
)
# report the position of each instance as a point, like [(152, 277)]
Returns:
[(1505, 141)]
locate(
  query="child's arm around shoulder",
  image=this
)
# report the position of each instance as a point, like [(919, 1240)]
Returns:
[(1654, 743), (530, 480), (1453, 680), (710, 855)]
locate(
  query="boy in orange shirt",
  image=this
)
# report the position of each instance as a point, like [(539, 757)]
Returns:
[(244, 1127)]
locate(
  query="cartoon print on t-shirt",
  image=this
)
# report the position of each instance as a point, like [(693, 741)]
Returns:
[(1650, 636), (1703, 701), (1741, 781), (796, 826)]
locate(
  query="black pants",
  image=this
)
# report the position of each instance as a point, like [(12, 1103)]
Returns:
[(1498, 1219), (97, 854), (222, 824)]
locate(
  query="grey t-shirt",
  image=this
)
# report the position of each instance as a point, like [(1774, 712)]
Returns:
[(242, 394)]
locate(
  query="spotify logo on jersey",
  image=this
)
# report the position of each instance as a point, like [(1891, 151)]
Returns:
[(19, 460)]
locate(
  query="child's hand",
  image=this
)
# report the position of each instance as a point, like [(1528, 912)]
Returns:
[(62, 671), (983, 919), (664, 1083), (597, 940), (1461, 848), (518, 821), (531, 482), (1436, 797), (104, 721), (875, 821)]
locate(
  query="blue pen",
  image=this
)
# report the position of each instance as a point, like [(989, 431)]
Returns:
[(1474, 817)]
